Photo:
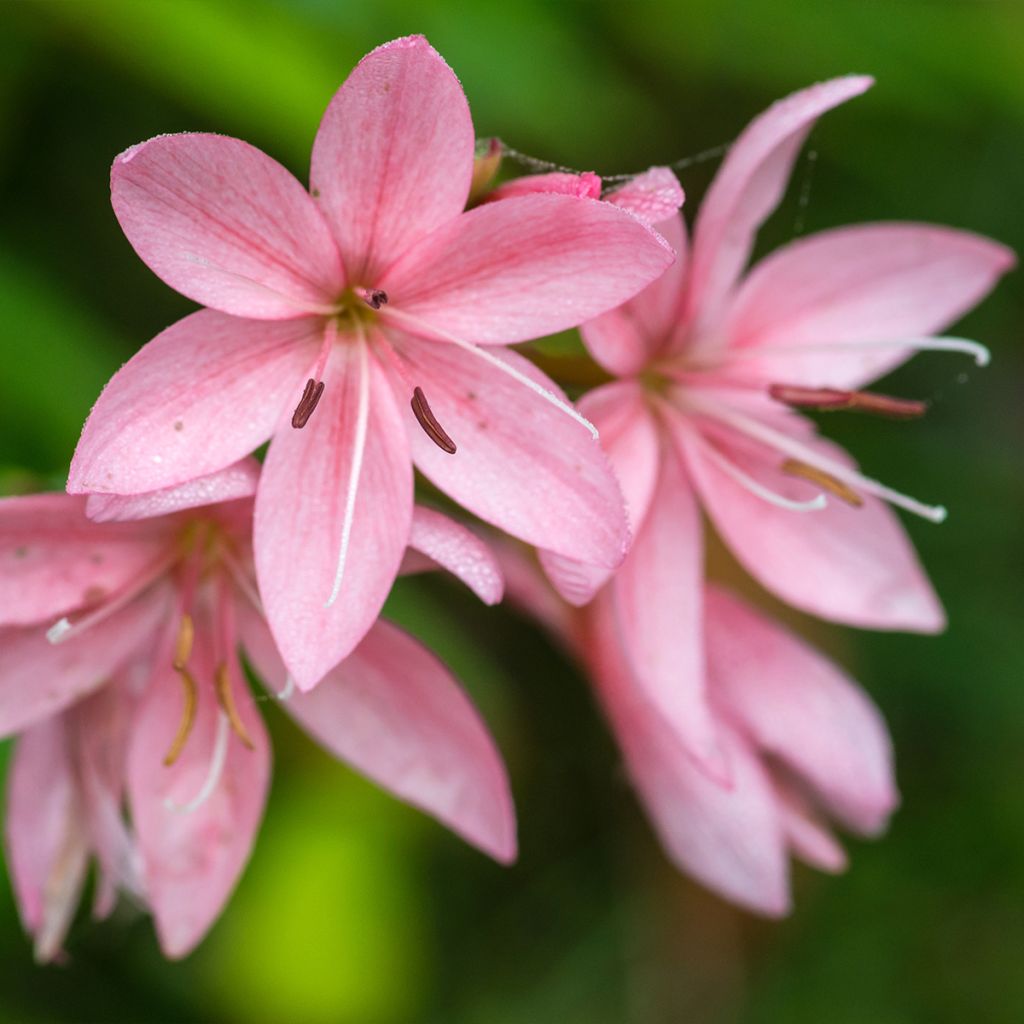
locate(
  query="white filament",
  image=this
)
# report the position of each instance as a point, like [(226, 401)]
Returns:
[(355, 470), (982, 356), (287, 691), (796, 449), (499, 364), (220, 756)]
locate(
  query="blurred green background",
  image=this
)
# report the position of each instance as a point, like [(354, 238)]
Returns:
[(357, 909)]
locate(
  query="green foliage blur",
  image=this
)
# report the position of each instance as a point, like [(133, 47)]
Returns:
[(356, 909)]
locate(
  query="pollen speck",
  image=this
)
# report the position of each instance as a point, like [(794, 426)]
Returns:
[(178, 425)]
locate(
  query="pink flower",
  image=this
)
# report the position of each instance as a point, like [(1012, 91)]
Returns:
[(712, 365), (356, 324), (137, 694)]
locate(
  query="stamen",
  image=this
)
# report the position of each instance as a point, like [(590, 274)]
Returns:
[(794, 467), (310, 397), (222, 684), (183, 645), (428, 421), (220, 754), (499, 364), (188, 716), (287, 691), (374, 298), (982, 356), (826, 399), (355, 470), (755, 487)]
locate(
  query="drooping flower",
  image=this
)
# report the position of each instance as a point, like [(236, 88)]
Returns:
[(804, 743), (136, 695), (712, 368), (331, 312)]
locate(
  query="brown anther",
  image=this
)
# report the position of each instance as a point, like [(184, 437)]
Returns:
[(222, 683), (827, 482), (188, 715), (828, 399), (307, 403), (183, 645), (377, 298), (428, 422)]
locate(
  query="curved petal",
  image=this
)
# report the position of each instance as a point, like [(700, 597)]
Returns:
[(525, 267), (38, 678), (522, 464), (809, 837), (846, 564), (653, 196), (395, 713), (749, 185), (628, 339), (658, 604), (872, 282), (303, 505), (222, 223), (459, 550), (393, 157), (630, 439), (46, 833), (584, 186), (53, 560), (201, 395), (230, 484), (192, 856), (729, 838), (801, 708)]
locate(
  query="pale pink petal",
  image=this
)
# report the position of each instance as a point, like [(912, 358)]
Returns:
[(584, 186), (658, 602), (38, 678), (459, 550), (869, 283), (630, 439), (525, 267), (46, 836), (230, 484), (802, 709), (393, 157), (522, 464), (396, 714), (300, 515), (852, 565), (628, 339), (527, 589), (200, 396), (809, 837), (653, 196), (192, 856), (53, 560), (222, 223), (729, 838), (748, 187)]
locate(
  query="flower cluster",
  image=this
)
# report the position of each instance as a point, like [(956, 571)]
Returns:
[(363, 327)]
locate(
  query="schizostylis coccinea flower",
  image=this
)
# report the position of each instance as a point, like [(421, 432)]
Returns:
[(356, 325)]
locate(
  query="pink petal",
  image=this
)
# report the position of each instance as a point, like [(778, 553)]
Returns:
[(748, 187), (525, 267), (584, 186), (396, 714), (628, 339), (38, 678), (300, 512), (872, 282), (457, 549), (852, 565), (200, 396), (53, 560), (47, 839), (809, 837), (222, 223), (802, 709), (522, 464), (729, 838), (191, 859), (653, 196), (658, 602), (394, 155), (230, 484), (630, 439), (529, 591)]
